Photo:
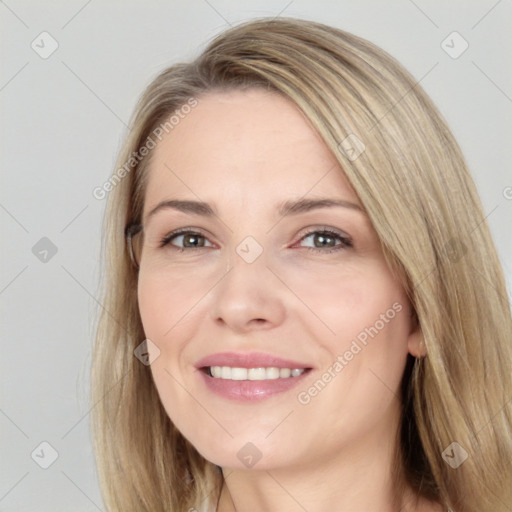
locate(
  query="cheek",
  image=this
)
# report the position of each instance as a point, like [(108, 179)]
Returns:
[(167, 301), (365, 358), (367, 313), (163, 311), (347, 299), (154, 301), (167, 314), (172, 308)]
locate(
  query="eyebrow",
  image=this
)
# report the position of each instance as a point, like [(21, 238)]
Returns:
[(287, 208), (294, 207), (195, 207)]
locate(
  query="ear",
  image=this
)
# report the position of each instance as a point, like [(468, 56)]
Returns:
[(416, 342)]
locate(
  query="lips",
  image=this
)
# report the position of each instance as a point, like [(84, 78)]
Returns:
[(237, 375)]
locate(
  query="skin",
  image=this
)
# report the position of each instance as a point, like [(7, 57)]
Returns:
[(245, 152)]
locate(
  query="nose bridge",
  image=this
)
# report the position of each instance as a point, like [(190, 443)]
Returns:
[(248, 264), (247, 292), (246, 258), (247, 269)]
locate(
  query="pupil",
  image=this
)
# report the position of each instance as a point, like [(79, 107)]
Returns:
[(325, 240)]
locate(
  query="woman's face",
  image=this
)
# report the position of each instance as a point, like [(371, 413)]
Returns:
[(280, 270)]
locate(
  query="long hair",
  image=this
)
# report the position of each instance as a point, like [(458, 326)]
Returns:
[(455, 440)]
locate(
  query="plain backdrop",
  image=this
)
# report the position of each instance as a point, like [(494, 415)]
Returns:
[(63, 117)]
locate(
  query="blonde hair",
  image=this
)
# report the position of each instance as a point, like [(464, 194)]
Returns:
[(415, 186)]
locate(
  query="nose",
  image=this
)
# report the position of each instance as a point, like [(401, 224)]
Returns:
[(248, 297)]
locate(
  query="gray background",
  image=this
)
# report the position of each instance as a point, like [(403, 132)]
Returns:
[(63, 119)]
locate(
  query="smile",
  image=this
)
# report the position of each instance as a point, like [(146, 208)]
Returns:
[(250, 376)]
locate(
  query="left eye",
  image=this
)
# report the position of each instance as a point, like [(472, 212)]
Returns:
[(326, 240)]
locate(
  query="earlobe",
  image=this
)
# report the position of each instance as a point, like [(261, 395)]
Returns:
[(416, 343)]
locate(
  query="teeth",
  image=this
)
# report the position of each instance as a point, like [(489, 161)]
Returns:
[(228, 373)]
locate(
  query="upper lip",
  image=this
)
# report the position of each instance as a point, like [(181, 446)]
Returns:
[(249, 360)]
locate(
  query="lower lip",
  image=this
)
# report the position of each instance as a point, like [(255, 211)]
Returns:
[(250, 390)]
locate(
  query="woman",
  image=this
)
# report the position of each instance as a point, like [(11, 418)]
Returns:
[(303, 306)]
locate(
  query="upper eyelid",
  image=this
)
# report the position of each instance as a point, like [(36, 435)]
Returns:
[(326, 229)]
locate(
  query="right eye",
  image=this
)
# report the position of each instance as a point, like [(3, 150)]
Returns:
[(185, 239)]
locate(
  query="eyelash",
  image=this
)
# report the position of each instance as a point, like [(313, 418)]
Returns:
[(346, 242)]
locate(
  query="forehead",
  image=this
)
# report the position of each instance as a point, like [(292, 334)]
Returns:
[(246, 147)]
